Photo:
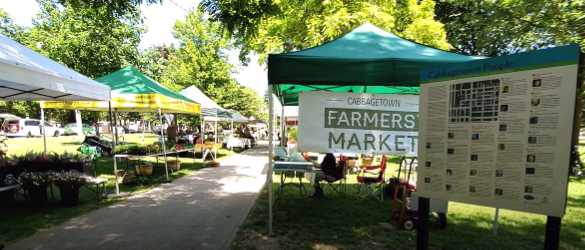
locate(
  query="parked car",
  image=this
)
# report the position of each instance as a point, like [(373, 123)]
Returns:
[(104, 128), (71, 129), (29, 128), (132, 127)]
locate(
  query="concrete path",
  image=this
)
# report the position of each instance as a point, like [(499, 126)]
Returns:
[(200, 211)]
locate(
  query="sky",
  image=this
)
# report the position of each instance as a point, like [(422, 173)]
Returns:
[(159, 20)]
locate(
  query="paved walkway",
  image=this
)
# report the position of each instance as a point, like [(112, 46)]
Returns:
[(200, 211)]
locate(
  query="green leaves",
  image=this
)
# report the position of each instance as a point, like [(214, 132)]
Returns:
[(281, 26), (493, 28), (89, 40)]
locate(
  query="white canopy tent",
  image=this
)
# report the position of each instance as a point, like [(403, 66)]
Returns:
[(28, 75), (210, 111)]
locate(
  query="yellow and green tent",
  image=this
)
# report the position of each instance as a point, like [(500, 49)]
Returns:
[(132, 91)]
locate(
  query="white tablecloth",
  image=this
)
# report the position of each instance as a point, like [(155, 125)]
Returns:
[(237, 142)]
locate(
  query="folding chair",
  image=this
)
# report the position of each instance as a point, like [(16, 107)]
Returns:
[(372, 177)]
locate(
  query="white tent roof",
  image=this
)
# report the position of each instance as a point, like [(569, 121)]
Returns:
[(237, 117), (27, 75), (208, 107)]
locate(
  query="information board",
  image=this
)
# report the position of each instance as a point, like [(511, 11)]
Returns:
[(501, 135), (358, 123)]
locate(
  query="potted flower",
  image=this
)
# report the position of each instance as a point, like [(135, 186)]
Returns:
[(35, 185), (144, 169), (174, 165), (69, 183)]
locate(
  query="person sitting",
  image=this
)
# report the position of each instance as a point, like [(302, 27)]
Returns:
[(331, 172)]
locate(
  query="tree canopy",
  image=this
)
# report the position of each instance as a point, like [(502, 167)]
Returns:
[(86, 39), (201, 60), (280, 26), (493, 28)]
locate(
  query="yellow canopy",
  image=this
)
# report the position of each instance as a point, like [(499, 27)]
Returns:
[(133, 91)]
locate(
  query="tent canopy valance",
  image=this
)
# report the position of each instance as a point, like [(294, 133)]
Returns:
[(237, 117), (365, 60), (133, 91), (209, 109), (27, 75)]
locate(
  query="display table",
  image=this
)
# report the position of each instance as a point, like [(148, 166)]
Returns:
[(238, 142), (293, 169), (139, 157)]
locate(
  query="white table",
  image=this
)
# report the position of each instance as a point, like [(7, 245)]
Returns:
[(295, 167), (238, 142)]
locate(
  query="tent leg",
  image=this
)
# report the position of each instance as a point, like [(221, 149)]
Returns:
[(43, 131), (202, 137), (216, 130), (115, 128), (111, 125), (79, 124), (283, 139), (496, 221), (116, 175), (270, 152), (164, 146)]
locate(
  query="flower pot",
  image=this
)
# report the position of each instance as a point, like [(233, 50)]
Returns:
[(38, 195), (69, 195), (144, 169), (174, 165), (213, 164)]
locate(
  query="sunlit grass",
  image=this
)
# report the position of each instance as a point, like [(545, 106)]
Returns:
[(19, 219), (355, 221)]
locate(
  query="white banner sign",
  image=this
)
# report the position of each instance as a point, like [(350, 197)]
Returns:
[(358, 123)]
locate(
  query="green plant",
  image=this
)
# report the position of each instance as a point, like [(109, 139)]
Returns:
[(132, 149), (68, 178), (29, 180), (292, 133)]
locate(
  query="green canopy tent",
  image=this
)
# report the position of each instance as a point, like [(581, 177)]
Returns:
[(132, 91), (365, 60)]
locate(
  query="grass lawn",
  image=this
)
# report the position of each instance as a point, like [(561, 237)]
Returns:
[(351, 221), (18, 219)]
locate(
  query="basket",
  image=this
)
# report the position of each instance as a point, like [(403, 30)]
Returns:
[(213, 164), (144, 169), (174, 165)]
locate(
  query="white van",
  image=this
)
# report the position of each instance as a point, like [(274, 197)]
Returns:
[(29, 128)]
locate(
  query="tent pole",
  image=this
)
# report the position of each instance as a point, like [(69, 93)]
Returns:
[(496, 222), (111, 124), (282, 127), (43, 131), (78, 124), (164, 146), (116, 128), (202, 136), (270, 152)]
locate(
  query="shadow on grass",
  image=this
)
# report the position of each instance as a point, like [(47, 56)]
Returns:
[(351, 221), (19, 219)]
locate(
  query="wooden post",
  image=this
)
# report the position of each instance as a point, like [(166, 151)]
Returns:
[(422, 228), (553, 232)]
